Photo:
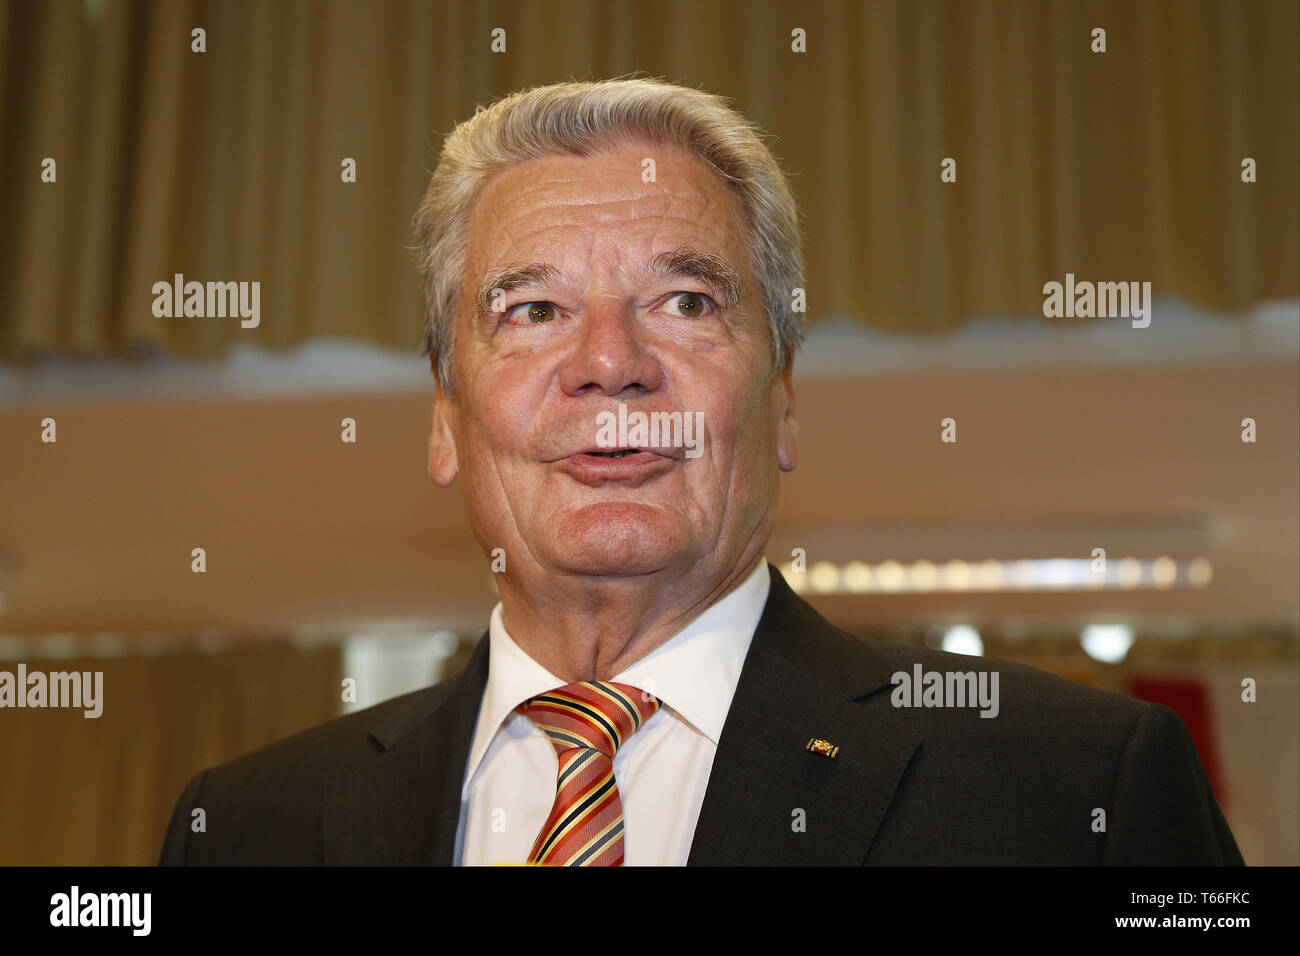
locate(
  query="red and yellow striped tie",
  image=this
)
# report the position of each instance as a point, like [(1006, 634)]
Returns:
[(586, 722)]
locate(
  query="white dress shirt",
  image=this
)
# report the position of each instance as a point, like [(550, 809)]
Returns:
[(662, 770)]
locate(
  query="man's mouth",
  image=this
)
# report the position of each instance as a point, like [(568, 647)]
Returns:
[(626, 467), (621, 453)]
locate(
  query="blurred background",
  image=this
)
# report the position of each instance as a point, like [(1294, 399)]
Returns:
[(1099, 515)]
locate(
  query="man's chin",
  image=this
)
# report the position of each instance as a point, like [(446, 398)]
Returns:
[(609, 541)]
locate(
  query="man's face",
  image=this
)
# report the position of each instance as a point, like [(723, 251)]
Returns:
[(586, 287)]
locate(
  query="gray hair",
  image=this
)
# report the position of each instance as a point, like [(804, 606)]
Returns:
[(581, 119)]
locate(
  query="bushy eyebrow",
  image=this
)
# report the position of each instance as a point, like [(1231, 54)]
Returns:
[(512, 277), (709, 269)]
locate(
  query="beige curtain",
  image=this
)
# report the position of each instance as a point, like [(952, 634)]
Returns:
[(1123, 165), (81, 791)]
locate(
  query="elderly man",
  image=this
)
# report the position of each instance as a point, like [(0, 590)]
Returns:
[(607, 265)]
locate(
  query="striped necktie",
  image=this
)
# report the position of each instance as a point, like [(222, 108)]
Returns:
[(586, 722)]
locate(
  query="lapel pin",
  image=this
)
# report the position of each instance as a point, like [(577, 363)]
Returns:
[(823, 747)]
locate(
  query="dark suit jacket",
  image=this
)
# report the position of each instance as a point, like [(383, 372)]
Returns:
[(907, 785)]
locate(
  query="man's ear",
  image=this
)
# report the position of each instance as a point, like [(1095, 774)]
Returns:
[(787, 425), (443, 463)]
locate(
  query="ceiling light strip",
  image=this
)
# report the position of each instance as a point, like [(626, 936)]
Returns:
[(1024, 574)]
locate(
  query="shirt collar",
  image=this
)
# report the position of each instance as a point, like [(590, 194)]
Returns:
[(695, 672)]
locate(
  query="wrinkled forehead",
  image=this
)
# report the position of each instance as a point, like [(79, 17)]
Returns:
[(618, 209)]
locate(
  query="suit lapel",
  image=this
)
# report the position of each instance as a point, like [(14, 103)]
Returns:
[(403, 807), (771, 801)]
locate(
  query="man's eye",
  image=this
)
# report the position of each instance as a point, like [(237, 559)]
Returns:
[(537, 313), (690, 304)]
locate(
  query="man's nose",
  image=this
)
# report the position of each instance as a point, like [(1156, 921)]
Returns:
[(610, 352)]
